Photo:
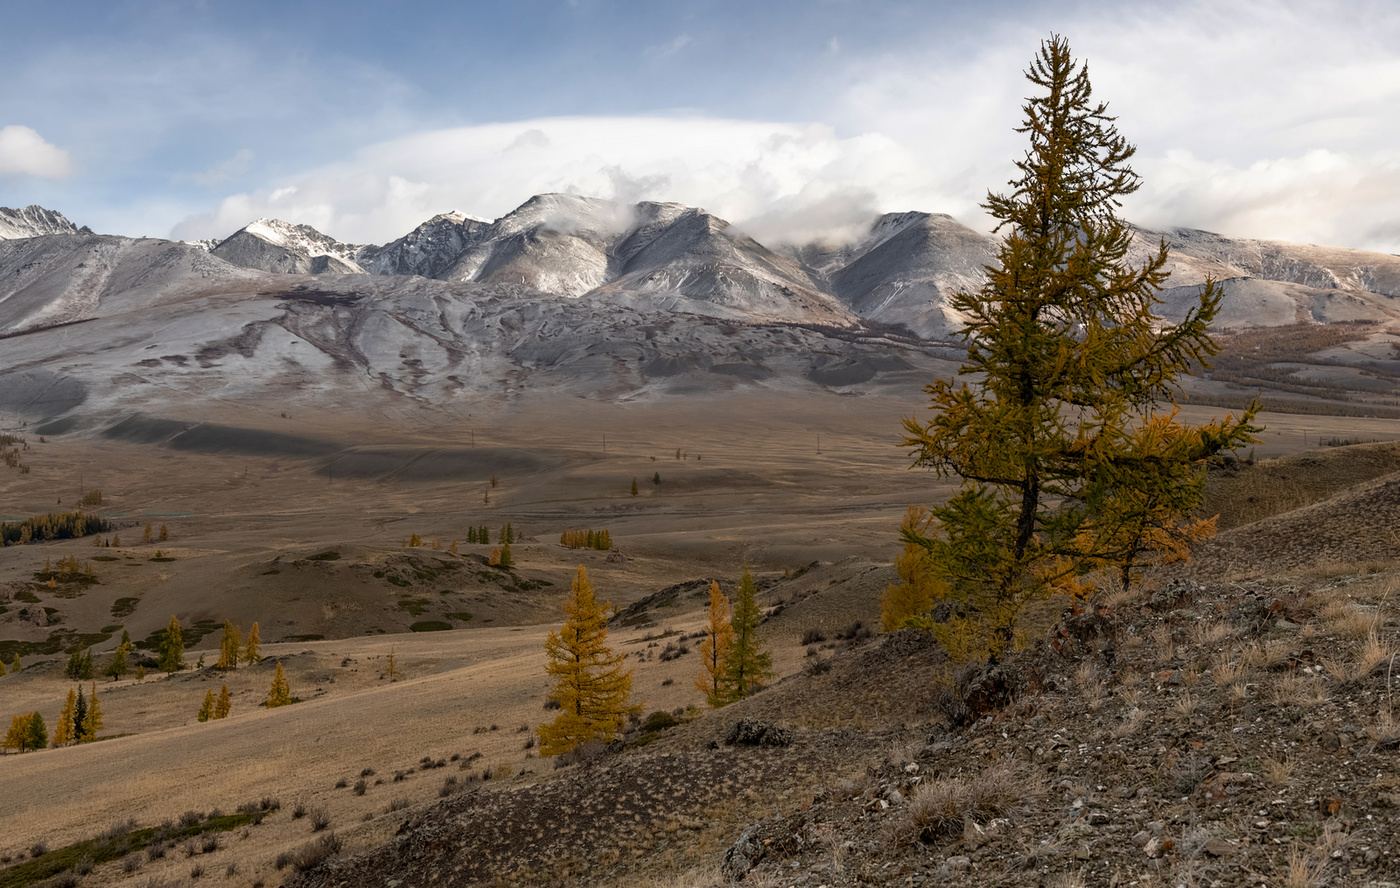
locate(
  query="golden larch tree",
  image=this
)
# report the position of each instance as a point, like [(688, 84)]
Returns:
[(714, 647), (92, 721), (591, 683), (230, 646), (206, 711), (63, 733), (903, 603), (280, 694), (224, 704), (746, 665), (252, 646)]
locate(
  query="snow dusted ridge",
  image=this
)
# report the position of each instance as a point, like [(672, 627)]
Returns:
[(33, 221)]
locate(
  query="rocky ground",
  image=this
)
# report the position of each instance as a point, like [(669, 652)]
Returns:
[(1219, 733)]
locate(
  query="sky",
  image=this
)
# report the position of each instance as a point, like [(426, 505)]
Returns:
[(794, 119)]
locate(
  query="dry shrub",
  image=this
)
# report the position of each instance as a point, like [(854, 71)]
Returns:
[(938, 808), (1210, 632), (1166, 646), (1227, 669), (1304, 870), (315, 853), (1266, 655), (1130, 725), (1374, 652), (1300, 689), (1277, 771)]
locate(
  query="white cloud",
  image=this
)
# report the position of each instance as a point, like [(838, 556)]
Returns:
[(24, 152), (741, 170)]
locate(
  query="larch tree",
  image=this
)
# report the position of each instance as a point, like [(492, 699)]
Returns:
[(747, 665), (252, 645), (118, 666), (1068, 360), (905, 603), (92, 721), (230, 646), (224, 704), (206, 711), (714, 648), (80, 709), (280, 694), (172, 647), (591, 683), (17, 738), (38, 731), (63, 733)]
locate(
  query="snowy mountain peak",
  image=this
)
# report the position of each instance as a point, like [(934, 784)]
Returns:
[(33, 221)]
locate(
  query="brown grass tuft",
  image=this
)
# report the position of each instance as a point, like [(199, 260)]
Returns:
[(940, 807)]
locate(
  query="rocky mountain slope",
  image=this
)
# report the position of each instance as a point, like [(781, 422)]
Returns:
[(33, 221)]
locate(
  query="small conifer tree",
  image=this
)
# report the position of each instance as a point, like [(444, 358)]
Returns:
[(2, 667), (634, 485), (116, 541), (92, 721), (15, 665), (206, 711), (252, 647), (172, 647), (471, 536), (510, 533), (280, 694), (748, 665), (656, 478), (140, 671), (224, 704), (506, 560), (453, 548), (230, 647), (146, 534), (164, 534), (118, 665), (80, 709), (495, 559), (63, 733), (38, 731), (902, 604), (392, 669), (17, 738), (591, 682), (714, 648)]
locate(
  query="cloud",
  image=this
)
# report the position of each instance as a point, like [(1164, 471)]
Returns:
[(23, 152), (767, 172), (669, 48)]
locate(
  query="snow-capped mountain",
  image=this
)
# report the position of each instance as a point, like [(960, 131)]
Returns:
[(33, 221), (281, 247), (428, 250)]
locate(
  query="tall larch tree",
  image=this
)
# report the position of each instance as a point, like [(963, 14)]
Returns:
[(714, 647), (92, 721), (591, 683), (747, 665), (38, 731), (280, 694), (117, 667), (230, 646), (172, 647), (63, 733), (17, 738), (206, 711), (1067, 359), (252, 646), (224, 704)]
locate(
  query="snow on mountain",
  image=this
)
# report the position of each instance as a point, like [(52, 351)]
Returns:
[(428, 250), (285, 248), (60, 279), (33, 221)]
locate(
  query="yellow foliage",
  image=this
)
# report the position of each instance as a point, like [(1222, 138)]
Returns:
[(590, 681), (714, 647), (919, 585), (280, 694)]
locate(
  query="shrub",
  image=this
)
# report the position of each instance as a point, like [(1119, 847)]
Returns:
[(313, 854), (39, 849), (659, 721), (396, 805), (131, 863), (320, 820), (299, 811), (360, 786), (449, 786), (813, 636), (342, 783), (367, 772), (938, 808), (210, 843)]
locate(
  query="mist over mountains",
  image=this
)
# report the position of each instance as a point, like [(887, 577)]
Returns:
[(567, 294)]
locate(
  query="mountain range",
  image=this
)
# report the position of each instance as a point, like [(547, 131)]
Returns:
[(577, 294)]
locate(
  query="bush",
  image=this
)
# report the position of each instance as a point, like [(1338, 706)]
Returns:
[(320, 820), (449, 786), (313, 854), (659, 721), (938, 809), (813, 636), (299, 811), (360, 786)]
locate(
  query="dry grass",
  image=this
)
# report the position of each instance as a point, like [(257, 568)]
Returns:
[(1266, 655), (1130, 725), (1227, 669), (1278, 772), (1373, 653), (1162, 640), (1348, 618), (939, 808), (1211, 632), (1304, 870), (1091, 685), (1300, 689)]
